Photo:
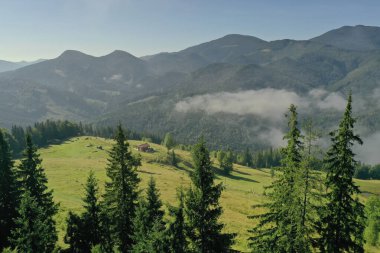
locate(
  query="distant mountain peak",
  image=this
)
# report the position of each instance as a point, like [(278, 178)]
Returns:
[(73, 53), (358, 37), (240, 36), (120, 53)]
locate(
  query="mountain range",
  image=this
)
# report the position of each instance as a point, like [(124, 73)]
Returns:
[(234, 90), (8, 65)]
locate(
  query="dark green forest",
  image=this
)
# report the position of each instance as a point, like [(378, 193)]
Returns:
[(312, 204)]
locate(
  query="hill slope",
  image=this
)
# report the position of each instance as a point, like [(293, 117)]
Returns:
[(220, 88), (358, 37), (67, 166)]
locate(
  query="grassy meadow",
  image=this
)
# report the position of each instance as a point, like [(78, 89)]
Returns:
[(67, 166)]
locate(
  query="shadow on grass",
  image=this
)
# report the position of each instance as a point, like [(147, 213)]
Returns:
[(148, 172), (242, 173), (183, 168), (219, 173)]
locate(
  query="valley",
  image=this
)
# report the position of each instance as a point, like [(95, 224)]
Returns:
[(67, 166)]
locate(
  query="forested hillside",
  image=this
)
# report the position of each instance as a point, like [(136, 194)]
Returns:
[(144, 197), (222, 88)]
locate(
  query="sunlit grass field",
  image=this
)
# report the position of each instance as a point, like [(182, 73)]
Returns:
[(67, 167)]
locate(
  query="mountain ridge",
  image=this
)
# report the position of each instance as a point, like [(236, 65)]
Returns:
[(143, 92)]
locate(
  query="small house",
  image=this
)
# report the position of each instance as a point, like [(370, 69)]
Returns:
[(144, 148)]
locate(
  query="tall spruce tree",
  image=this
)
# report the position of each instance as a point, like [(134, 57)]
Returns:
[(177, 228), (202, 206), (309, 186), (75, 234), (148, 224), (121, 192), (91, 216), (9, 193), (34, 182), (247, 158), (342, 218), (84, 231), (277, 230), (33, 231)]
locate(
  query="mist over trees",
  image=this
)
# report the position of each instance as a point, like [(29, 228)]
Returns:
[(305, 209)]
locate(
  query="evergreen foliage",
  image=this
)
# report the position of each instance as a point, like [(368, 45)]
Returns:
[(226, 160), (372, 230), (202, 207), (169, 142), (365, 171), (91, 216), (121, 192), (267, 158), (75, 234), (33, 230), (278, 228), (342, 218), (309, 187), (149, 228), (177, 228), (9, 193), (50, 131), (84, 231), (246, 158), (34, 186)]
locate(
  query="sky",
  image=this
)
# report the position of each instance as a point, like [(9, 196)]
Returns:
[(35, 29)]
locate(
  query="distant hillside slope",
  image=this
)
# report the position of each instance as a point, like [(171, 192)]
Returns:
[(9, 66), (359, 37), (234, 90), (67, 166)]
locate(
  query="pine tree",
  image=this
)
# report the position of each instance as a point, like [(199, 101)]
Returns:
[(84, 231), (341, 226), (148, 224), (372, 230), (202, 206), (121, 192), (169, 142), (33, 230), (34, 181), (309, 185), (225, 160), (9, 194), (154, 203), (247, 158), (75, 234), (177, 228), (277, 230), (91, 216)]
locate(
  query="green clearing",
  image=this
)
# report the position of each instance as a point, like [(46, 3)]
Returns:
[(67, 167)]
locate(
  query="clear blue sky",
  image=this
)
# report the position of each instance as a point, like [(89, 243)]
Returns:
[(32, 29)]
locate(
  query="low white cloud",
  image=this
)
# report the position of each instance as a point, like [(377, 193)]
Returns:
[(369, 152), (274, 136), (332, 101), (266, 103), (317, 93)]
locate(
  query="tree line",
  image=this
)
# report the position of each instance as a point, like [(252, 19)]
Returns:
[(122, 219), (55, 131), (305, 209), (365, 171)]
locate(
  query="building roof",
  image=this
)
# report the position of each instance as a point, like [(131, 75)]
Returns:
[(145, 145)]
